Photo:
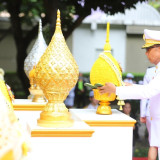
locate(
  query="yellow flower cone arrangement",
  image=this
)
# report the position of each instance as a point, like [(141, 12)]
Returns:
[(105, 69)]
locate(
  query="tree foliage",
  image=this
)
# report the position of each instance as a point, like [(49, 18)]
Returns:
[(155, 4), (26, 12)]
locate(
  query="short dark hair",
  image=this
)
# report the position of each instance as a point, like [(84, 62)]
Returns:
[(127, 101)]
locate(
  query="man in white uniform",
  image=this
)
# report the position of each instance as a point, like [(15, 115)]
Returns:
[(144, 103), (149, 91)]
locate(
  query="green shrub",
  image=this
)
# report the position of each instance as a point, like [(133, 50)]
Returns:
[(141, 152)]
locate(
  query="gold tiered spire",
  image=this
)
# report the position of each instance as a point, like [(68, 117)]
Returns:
[(56, 74), (58, 22), (107, 46)]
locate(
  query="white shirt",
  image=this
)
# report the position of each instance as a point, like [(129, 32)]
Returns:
[(149, 91)]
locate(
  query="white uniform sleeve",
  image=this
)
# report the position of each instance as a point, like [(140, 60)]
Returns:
[(140, 91)]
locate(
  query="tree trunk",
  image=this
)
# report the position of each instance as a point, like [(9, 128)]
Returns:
[(74, 26), (21, 55), (14, 10), (51, 7)]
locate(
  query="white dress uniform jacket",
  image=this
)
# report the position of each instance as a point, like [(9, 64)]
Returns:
[(149, 91), (144, 104)]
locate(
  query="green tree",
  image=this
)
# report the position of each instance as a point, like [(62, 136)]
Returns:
[(24, 12), (155, 4)]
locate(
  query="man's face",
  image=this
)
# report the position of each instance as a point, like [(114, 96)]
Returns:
[(153, 54)]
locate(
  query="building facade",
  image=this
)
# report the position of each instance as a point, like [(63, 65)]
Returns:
[(126, 37)]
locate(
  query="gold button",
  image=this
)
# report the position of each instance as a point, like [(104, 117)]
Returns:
[(151, 118)]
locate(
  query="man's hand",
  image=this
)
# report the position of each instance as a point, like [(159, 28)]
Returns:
[(143, 119), (107, 88)]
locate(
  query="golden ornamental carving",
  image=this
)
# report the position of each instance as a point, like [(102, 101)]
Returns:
[(56, 73), (10, 130)]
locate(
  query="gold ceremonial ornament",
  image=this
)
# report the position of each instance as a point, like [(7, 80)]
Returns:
[(39, 47), (106, 69), (56, 73), (12, 139), (34, 89)]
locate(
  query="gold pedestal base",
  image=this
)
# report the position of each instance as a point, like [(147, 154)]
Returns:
[(55, 124), (38, 99), (55, 115), (104, 108), (38, 95), (30, 96)]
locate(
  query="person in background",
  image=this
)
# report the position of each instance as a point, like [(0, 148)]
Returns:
[(144, 103), (127, 110), (80, 90), (69, 102), (93, 102), (129, 79)]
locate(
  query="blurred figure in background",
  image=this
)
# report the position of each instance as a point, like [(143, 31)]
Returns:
[(80, 91), (69, 102), (93, 102), (129, 79), (127, 111)]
